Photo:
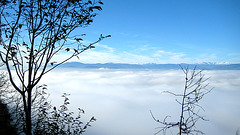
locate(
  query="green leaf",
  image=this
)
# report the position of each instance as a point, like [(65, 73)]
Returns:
[(53, 62), (78, 39), (98, 7), (13, 54), (25, 44), (89, 21), (67, 49), (95, 7), (75, 50), (64, 30), (2, 25)]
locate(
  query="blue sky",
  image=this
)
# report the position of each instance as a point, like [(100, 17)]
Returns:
[(166, 31)]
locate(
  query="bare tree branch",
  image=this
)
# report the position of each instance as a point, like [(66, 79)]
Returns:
[(194, 90)]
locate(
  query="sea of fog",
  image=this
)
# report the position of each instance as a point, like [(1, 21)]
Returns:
[(121, 100)]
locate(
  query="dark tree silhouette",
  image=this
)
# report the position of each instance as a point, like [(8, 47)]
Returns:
[(33, 32), (46, 118), (5, 119), (194, 90)]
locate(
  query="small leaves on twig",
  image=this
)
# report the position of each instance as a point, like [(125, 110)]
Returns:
[(108, 36), (91, 47), (52, 120), (67, 49), (75, 50), (52, 63), (95, 7), (78, 39)]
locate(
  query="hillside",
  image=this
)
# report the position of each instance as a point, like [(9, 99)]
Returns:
[(204, 66)]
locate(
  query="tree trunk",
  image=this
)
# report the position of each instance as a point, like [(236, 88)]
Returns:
[(29, 120), (27, 101), (28, 124)]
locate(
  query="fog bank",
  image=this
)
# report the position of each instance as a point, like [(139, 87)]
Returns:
[(121, 99)]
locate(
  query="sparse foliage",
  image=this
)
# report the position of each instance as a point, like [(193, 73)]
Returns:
[(46, 118), (5, 119), (33, 33), (16, 108), (194, 90), (51, 120), (4, 84)]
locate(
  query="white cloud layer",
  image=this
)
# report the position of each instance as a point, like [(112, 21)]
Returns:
[(121, 99), (143, 55), (108, 54)]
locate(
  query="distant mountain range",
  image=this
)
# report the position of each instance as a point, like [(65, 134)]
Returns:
[(204, 66)]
